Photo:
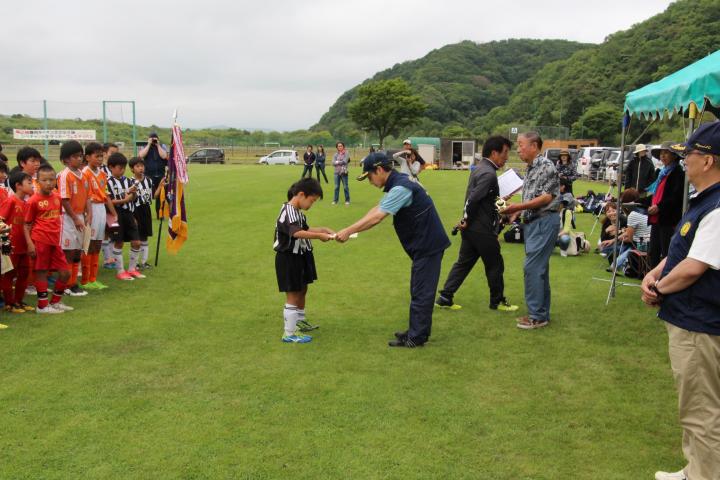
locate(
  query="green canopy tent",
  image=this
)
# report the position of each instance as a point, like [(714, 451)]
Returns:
[(694, 87), (697, 84)]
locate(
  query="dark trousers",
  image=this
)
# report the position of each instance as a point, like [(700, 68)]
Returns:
[(424, 278), (319, 170), (155, 185), (307, 171), (660, 236), (474, 246)]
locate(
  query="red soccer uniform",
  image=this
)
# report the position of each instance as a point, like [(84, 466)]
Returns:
[(13, 212), (4, 195), (43, 212)]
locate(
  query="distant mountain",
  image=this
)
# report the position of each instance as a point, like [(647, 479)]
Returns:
[(561, 91), (462, 81), (484, 88)]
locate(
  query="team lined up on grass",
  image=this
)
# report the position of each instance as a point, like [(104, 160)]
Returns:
[(59, 222)]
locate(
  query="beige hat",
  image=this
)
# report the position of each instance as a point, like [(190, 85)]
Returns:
[(640, 147)]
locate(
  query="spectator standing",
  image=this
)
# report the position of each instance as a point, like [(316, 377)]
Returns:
[(341, 160), (155, 156), (539, 207), (685, 285), (309, 160), (567, 169), (666, 203), (320, 163), (640, 171)]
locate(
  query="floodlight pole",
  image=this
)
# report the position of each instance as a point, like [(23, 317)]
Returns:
[(625, 127)]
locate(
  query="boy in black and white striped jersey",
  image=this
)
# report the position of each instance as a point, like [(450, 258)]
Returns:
[(143, 212), (123, 194), (294, 261)]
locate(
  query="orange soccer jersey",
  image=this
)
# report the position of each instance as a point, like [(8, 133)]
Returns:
[(75, 187), (98, 184)]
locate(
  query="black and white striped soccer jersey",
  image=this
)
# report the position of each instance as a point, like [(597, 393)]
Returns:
[(144, 191), (117, 189), (290, 221)]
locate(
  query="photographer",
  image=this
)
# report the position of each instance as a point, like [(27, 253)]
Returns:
[(155, 156), (479, 230)]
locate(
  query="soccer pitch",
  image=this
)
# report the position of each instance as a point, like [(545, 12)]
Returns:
[(183, 374)]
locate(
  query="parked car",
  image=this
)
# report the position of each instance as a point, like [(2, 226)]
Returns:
[(280, 157), (584, 159), (611, 166), (207, 155)]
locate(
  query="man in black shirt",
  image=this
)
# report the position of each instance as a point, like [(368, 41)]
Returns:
[(479, 229)]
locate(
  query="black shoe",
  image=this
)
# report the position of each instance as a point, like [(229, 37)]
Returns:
[(401, 335), (404, 342)]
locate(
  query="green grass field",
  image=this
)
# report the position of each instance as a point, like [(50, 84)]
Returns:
[(183, 375)]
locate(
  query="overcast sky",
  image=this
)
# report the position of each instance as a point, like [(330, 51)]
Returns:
[(272, 64)]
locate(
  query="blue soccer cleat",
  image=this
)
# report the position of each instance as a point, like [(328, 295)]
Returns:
[(296, 338)]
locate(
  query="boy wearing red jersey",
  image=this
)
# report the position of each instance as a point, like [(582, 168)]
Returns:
[(73, 189), (99, 202), (43, 224), (12, 212)]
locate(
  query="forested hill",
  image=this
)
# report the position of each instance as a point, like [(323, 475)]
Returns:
[(591, 85), (461, 81), (484, 88)]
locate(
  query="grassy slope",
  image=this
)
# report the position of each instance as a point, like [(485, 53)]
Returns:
[(182, 375)]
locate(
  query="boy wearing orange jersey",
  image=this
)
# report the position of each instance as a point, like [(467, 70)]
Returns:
[(73, 189), (99, 202)]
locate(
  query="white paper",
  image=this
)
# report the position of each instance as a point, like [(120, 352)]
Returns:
[(509, 183)]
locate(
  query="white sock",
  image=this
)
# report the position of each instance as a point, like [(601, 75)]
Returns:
[(107, 250), (301, 315), (291, 315), (132, 263), (118, 254), (145, 249)]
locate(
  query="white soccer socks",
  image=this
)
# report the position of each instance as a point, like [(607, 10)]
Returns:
[(291, 313)]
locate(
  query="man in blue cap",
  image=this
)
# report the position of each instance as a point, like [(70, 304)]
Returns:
[(420, 232), (685, 286)]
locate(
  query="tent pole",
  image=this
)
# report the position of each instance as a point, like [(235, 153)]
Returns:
[(692, 115), (625, 128)]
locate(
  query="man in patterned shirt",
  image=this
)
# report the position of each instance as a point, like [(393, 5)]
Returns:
[(539, 207)]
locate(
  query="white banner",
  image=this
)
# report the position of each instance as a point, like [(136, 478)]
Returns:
[(22, 134)]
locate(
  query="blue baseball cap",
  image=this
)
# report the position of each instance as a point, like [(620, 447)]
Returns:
[(372, 162), (705, 139)]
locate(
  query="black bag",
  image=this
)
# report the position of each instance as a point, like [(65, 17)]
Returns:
[(514, 233), (637, 264)]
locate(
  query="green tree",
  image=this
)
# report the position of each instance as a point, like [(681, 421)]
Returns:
[(385, 107), (601, 121)]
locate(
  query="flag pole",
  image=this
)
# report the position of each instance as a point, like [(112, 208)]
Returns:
[(162, 205)]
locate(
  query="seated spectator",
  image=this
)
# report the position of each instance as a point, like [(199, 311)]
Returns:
[(637, 233), (608, 230), (567, 223)]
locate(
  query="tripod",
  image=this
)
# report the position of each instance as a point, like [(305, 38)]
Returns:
[(602, 204)]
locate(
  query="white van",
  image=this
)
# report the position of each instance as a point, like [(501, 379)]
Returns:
[(280, 157), (584, 160)]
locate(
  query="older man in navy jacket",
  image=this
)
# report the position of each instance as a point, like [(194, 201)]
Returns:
[(420, 232), (686, 287)]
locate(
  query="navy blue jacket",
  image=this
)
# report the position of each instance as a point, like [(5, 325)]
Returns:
[(418, 225), (697, 308)]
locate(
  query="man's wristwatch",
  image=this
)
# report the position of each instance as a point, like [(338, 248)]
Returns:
[(654, 288)]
